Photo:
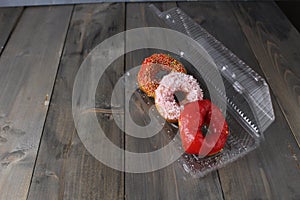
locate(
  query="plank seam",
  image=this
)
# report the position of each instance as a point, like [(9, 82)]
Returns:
[(12, 30), (281, 107), (220, 182), (124, 69), (43, 129)]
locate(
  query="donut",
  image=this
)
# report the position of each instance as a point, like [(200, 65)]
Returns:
[(193, 122), (174, 82), (153, 69)]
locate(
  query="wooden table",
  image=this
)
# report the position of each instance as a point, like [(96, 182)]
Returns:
[(41, 155)]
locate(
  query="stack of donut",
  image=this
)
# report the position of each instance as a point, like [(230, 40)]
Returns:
[(203, 128)]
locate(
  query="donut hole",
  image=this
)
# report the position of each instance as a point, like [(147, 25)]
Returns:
[(204, 130), (160, 74), (179, 96)]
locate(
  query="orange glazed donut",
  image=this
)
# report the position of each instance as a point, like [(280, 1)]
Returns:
[(154, 68), (170, 84), (194, 120)]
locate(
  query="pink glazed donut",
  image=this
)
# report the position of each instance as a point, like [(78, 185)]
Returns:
[(174, 82)]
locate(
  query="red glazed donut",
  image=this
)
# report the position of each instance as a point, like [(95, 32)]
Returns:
[(164, 94), (193, 118), (154, 68)]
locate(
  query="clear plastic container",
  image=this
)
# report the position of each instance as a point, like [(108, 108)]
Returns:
[(247, 96)]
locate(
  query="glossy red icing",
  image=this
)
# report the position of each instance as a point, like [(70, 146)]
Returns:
[(193, 117)]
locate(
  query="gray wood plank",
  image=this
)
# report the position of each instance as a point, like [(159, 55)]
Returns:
[(28, 67), (65, 169), (8, 19), (170, 182), (276, 43), (271, 171)]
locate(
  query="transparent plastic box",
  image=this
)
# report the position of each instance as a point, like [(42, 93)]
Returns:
[(247, 96)]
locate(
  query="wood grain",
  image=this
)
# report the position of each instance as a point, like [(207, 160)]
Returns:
[(25, 80), (276, 46), (8, 20), (170, 182), (65, 169), (270, 172)]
